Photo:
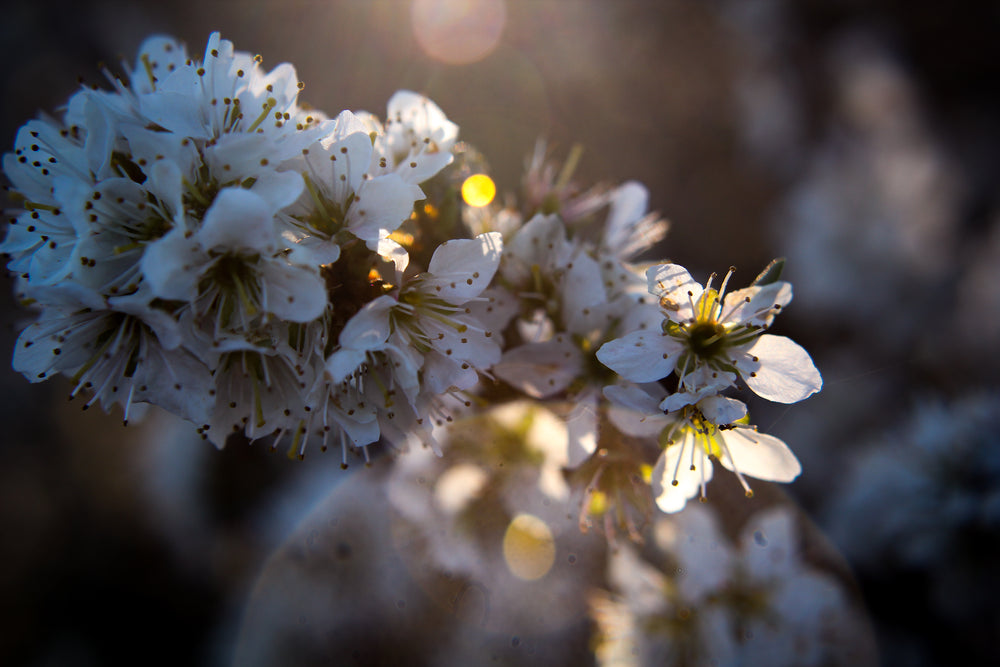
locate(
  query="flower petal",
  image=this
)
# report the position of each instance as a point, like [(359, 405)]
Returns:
[(293, 293), (381, 205), (581, 427), (758, 455), (168, 265), (541, 369), (756, 305), (722, 410), (641, 356), (673, 466), (676, 290), (779, 369), (462, 268), (635, 412), (238, 219)]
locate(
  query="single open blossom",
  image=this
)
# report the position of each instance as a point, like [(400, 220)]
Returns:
[(120, 351), (52, 159), (711, 428), (645, 620), (343, 201), (231, 270), (630, 228), (709, 336), (416, 140)]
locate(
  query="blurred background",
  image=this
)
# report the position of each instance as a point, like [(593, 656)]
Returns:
[(860, 140)]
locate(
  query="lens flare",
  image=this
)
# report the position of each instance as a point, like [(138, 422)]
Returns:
[(478, 190), (458, 32), (528, 547)]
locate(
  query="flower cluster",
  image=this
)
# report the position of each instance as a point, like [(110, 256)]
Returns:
[(755, 602), (197, 239)]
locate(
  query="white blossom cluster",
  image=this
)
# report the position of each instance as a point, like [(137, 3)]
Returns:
[(638, 351), (756, 602), (197, 239)]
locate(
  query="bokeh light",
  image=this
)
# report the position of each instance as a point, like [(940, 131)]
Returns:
[(478, 190), (458, 32), (528, 547)]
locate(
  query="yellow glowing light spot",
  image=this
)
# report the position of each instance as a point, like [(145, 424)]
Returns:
[(528, 547), (458, 32), (404, 239), (646, 471), (598, 503), (478, 190)]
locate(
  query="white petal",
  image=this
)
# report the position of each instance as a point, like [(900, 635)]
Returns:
[(382, 204), (675, 288), (759, 455), (632, 397), (705, 381), (391, 251), (541, 369), (162, 55), (679, 400), (368, 329), (360, 433), (754, 305), (641, 356), (171, 265), (339, 167), (675, 464), (783, 372), (346, 124), (540, 242), (634, 412), (238, 219), (166, 183), (583, 295), (441, 373), (494, 309), (722, 410), (581, 424), (628, 204), (279, 189), (293, 293), (343, 362), (471, 345), (461, 269), (422, 115)]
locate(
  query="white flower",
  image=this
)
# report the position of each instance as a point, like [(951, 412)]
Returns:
[(711, 428), (120, 350), (225, 93), (646, 621), (708, 334), (430, 319), (541, 370), (418, 138), (52, 159), (780, 610), (342, 196), (231, 270), (260, 390), (629, 229), (538, 251)]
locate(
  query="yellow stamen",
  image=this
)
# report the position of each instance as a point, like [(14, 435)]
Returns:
[(270, 104)]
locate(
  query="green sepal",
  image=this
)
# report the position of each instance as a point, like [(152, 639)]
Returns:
[(770, 274)]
